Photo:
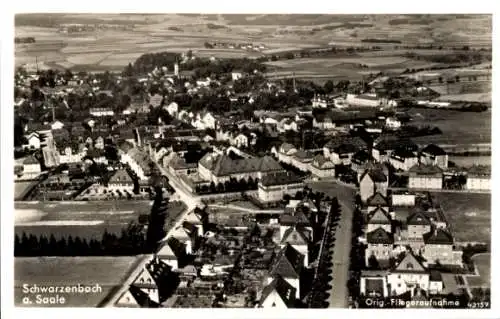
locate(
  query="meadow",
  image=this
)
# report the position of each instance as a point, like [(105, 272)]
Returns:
[(469, 215)]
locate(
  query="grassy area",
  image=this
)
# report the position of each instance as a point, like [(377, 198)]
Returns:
[(83, 219), (483, 265), (457, 127), (107, 272), (468, 214)]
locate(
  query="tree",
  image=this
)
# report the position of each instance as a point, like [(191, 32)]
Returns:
[(329, 86), (156, 227)]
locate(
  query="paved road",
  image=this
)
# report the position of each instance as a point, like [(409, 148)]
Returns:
[(340, 258), (248, 210)]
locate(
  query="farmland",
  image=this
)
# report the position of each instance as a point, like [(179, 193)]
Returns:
[(469, 215), (107, 272), (128, 36)]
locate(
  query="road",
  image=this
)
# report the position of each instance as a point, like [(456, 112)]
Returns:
[(190, 201), (247, 210), (340, 252)]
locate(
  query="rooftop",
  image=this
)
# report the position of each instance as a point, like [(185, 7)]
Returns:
[(223, 165), (280, 178)]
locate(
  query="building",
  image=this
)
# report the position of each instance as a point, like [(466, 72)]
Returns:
[(403, 159), (439, 248), (392, 123), (479, 178), (172, 109), (407, 276), (375, 201), (418, 224), (219, 168), (31, 166), (425, 177), (278, 294), (434, 155), (122, 181), (379, 246), (379, 218), (372, 181), (101, 112), (273, 186), (299, 238), (384, 146), (32, 141), (288, 264), (235, 76), (402, 199), (171, 251), (241, 140), (342, 154), (365, 100), (322, 167)]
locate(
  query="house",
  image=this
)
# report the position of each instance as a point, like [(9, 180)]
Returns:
[(377, 200), (299, 238), (273, 186), (278, 294), (121, 180), (301, 159), (407, 276), (479, 178), (372, 181), (241, 140), (204, 121), (403, 199), (322, 167), (439, 248), (31, 166), (99, 142), (384, 146), (418, 224), (425, 177), (56, 125), (72, 154), (172, 109), (287, 124), (297, 219), (287, 264), (178, 165), (198, 218), (186, 236), (392, 123), (155, 100), (379, 218), (219, 168), (342, 154), (359, 161), (379, 246), (171, 251), (403, 159), (434, 155), (236, 75), (101, 111), (33, 141)]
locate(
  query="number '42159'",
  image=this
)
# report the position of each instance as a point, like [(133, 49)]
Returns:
[(479, 305)]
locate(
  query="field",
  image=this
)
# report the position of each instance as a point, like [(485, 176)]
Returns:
[(469, 215), (468, 161), (84, 219), (107, 272), (457, 127), (483, 265), (129, 36)]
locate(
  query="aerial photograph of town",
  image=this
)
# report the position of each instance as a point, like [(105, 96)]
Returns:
[(252, 160)]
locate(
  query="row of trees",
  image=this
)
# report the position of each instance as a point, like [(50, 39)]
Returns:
[(232, 185), (129, 242)]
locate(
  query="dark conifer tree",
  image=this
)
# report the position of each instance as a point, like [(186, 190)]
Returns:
[(156, 227)]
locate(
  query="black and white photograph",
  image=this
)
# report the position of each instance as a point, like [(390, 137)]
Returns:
[(275, 161)]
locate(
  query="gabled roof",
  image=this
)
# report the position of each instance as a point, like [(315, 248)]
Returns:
[(435, 276), (298, 218), (223, 165), (172, 249), (322, 162), (403, 153), (280, 178), (418, 218), (479, 170), (409, 264), (379, 216), (377, 199), (142, 298), (379, 236), (361, 156), (377, 176), (433, 149), (438, 237), (295, 236), (121, 176), (288, 263), (282, 288), (30, 160), (345, 148)]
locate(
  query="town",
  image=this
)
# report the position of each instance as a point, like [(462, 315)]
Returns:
[(221, 184)]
